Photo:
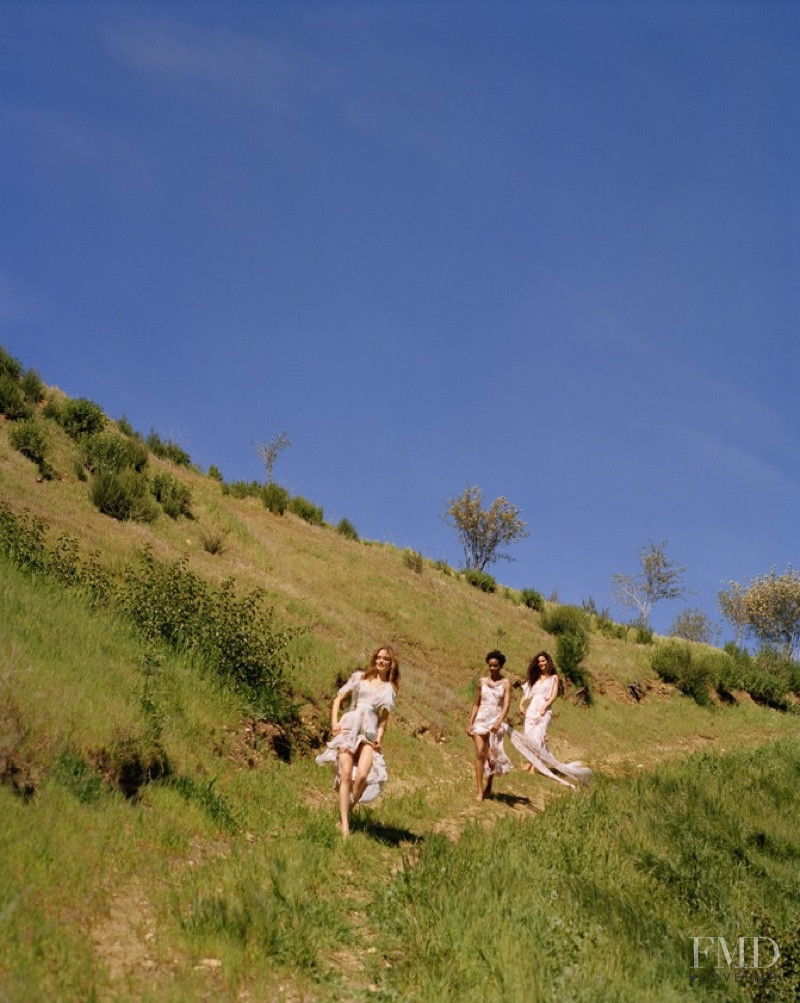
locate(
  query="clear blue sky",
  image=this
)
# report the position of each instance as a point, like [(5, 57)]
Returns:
[(550, 249)]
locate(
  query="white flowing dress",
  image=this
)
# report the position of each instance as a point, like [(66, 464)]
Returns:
[(358, 725), (533, 744), (491, 707)]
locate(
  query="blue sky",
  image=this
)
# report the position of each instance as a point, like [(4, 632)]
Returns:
[(550, 249)]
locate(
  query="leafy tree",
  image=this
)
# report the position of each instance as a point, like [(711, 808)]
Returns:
[(659, 578), (483, 532), (270, 451), (733, 608), (770, 605), (693, 625)]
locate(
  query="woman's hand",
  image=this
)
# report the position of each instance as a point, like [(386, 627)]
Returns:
[(336, 728)]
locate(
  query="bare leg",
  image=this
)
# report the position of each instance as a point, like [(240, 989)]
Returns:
[(363, 766), (480, 759), (345, 785)]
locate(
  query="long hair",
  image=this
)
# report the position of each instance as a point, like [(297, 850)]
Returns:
[(534, 672), (393, 674)]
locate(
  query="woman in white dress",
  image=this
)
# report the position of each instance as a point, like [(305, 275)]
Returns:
[(355, 750), (486, 725), (539, 693)]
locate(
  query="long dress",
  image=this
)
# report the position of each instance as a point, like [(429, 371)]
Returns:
[(491, 707), (358, 725), (533, 744)]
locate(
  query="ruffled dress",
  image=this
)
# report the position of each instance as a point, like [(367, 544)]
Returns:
[(358, 725), (533, 744), (491, 707)]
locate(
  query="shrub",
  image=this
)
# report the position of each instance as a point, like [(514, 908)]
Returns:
[(674, 664), (9, 366), (173, 495), (412, 559), (127, 429), (12, 398), (124, 495), (275, 498), (444, 567), (112, 451), (81, 417), (604, 625), (30, 438), (306, 510), (565, 620), (347, 529), (532, 599), (243, 489), (571, 649), (32, 386), (168, 450), (213, 541), (643, 633), (480, 580), (214, 473)]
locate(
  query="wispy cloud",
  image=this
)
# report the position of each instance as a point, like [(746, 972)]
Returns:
[(734, 461), (215, 62)]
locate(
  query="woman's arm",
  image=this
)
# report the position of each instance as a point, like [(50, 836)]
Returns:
[(337, 703), (383, 718), (475, 707), (553, 696)]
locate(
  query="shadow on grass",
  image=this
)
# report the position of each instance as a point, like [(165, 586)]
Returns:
[(390, 835), (513, 801)]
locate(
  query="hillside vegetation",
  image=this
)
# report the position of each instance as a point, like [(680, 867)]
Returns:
[(166, 834)]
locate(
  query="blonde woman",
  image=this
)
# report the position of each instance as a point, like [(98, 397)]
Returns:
[(355, 749)]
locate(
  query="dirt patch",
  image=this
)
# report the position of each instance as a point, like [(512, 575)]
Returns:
[(18, 768)]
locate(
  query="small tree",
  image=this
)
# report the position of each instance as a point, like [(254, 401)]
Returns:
[(270, 451), (771, 605), (660, 578), (693, 625), (734, 609), (483, 532)]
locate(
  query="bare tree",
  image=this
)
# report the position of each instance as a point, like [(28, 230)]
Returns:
[(660, 578), (270, 451), (483, 532)]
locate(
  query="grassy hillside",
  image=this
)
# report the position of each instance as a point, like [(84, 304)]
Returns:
[(155, 847)]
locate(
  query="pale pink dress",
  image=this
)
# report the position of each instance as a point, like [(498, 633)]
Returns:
[(491, 707), (533, 744), (360, 724)]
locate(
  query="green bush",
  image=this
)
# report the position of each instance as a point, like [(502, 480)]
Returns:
[(243, 489), (444, 567), (32, 385), (346, 529), (532, 599), (214, 473), (81, 417), (168, 450), (565, 620), (674, 664), (480, 580), (30, 438), (12, 398), (412, 559), (571, 649), (123, 495), (643, 633), (173, 495), (306, 510), (604, 625), (111, 451), (9, 366), (275, 498)]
